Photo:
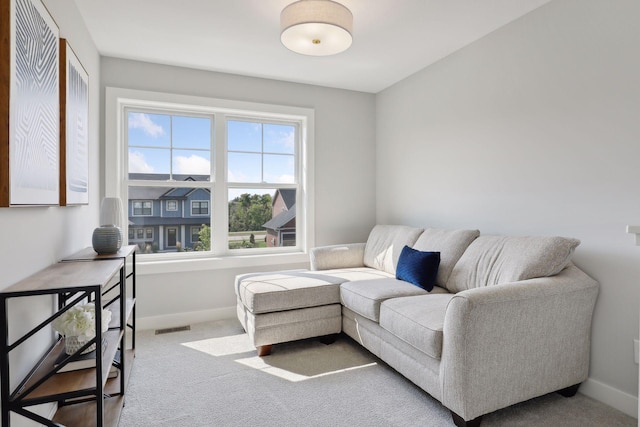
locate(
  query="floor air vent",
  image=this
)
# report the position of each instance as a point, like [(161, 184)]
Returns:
[(170, 330)]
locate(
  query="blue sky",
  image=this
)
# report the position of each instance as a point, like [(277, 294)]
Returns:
[(152, 135)]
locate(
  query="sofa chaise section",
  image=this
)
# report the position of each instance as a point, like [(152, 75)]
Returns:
[(291, 305)]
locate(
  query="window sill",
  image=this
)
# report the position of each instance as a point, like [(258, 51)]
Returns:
[(150, 266)]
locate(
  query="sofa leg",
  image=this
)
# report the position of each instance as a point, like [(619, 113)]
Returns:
[(460, 422), (328, 339), (264, 350), (569, 391)]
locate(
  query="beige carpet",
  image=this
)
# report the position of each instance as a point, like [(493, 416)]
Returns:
[(211, 376)]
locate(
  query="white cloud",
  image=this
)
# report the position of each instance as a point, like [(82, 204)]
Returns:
[(281, 179), (144, 122), (137, 163), (288, 139), (285, 139), (193, 164), (236, 177)]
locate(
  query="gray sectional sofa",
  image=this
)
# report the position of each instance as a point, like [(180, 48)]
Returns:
[(509, 318)]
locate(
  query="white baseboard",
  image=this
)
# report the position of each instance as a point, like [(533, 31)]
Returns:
[(613, 397), (180, 319)]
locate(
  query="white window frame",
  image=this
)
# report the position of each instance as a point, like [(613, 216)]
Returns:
[(133, 208), (191, 233), (144, 237), (119, 99), (167, 206), (201, 214)]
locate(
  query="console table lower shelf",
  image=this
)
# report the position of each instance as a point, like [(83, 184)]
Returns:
[(84, 414)]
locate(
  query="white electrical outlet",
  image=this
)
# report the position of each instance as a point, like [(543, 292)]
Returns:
[(635, 350)]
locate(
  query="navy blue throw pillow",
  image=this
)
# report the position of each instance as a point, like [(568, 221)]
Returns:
[(418, 268)]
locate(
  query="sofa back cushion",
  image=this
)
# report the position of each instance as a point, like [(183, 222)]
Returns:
[(492, 260), (385, 243), (450, 243)]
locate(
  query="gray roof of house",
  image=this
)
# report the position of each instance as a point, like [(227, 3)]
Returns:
[(281, 219), (146, 193), (156, 193), (165, 177), (288, 196)]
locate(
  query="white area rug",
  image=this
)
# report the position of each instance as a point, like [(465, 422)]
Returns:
[(211, 376)]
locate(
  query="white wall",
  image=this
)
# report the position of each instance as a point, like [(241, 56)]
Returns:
[(35, 237), (344, 179), (535, 130)]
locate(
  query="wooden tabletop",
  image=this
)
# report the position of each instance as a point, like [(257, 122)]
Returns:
[(88, 254), (66, 276)]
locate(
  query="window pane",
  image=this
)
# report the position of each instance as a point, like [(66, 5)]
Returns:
[(279, 138), (259, 218), (279, 169), (190, 162), (164, 230), (191, 132), (244, 136), (149, 130), (149, 163), (195, 234), (244, 167), (163, 147)]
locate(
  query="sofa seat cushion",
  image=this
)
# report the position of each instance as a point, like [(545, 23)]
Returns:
[(385, 243), (417, 320), (365, 296), (287, 290)]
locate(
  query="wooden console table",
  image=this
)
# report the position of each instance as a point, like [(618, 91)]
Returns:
[(85, 397)]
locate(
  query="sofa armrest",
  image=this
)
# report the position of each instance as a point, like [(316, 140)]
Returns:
[(508, 343), (337, 256)]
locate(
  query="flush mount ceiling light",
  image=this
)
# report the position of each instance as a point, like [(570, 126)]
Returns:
[(316, 27)]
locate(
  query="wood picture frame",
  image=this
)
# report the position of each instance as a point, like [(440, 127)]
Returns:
[(30, 106), (74, 128)]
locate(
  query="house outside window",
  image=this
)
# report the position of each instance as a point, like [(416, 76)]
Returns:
[(225, 167), (199, 207), (195, 234), (142, 208)]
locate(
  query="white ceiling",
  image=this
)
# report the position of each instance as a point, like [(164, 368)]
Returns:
[(392, 39)]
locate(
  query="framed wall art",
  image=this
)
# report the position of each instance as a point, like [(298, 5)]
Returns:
[(29, 86), (74, 128)]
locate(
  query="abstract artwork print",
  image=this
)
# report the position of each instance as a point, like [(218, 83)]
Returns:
[(34, 137), (75, 137)]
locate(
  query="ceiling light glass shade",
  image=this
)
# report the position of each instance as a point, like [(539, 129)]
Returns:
[(316, 27)]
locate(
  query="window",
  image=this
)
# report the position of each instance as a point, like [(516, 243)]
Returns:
[(199, 207), (145, 234), (195, 234), (243, 177), (142, 208)]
